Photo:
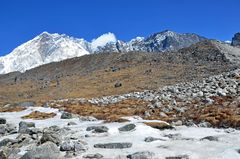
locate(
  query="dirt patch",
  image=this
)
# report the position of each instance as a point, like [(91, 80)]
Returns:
[(39, 115), (11, 109)]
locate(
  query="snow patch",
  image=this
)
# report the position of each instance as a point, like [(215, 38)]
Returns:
[(103, 40)]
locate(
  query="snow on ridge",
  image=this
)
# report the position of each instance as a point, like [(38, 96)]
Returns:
[(103, 40)]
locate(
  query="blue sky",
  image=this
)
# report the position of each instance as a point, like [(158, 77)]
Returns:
[(21, 20)]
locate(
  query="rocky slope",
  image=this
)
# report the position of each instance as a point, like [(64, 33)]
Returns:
[(47, 48)]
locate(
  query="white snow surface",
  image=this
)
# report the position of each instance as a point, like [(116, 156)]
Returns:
[(188, 143), (103, 40)]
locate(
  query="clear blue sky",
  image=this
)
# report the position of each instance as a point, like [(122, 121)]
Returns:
[(21, 20)]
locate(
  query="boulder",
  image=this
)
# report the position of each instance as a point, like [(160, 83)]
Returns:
[(151, 139), (50, 135), (27, 104), (178, 157), (75, 146), (25, 127), (118, 84), (11, 128), (210, 138), (97, 129), (7, 141), (128, 127), (66, 115), (3, 121), (121, 145), (93, 156), (2, 129), (47, 150), (71, 123), (141, 155)]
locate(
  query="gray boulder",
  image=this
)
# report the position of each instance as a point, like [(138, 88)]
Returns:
[(151, 139), (11, 128), (128, 127), (141, 155), (122, 145), (7, 141), (2, 129), (178, 157), (210, 138), (97, 129), (3, 121), (47, 150), (50, 135), (66, 115), (75, 146), (93, 156), (25, 127)]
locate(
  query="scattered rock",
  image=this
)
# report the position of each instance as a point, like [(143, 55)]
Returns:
[(47, 150), (11, 128), (205, 124), (6, 141), (66, 115), (87, 118), (3, 121), (71, 123), (93, 156), (128, 127), (122, 145), (50, 135), (118, 84), (97, 129), (25, 127), (141, 155), (210, 138), (159, 125), (178, 157), (2, 129), (74, 146), (151, 139)]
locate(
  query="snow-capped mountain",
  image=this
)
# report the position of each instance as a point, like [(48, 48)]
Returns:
[(47, 48), (159, 42)]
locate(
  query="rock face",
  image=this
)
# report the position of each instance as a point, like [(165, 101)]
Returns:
[(47, 150), (114, 145), (236, 40)]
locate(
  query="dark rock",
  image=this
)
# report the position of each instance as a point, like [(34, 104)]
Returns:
[(3, 121), (11, 128), (2, 129), (178, 157), (236, 40), (97, 129), (71, 123), (210, 138), (47, 150), (25, 127), (93, 156), (128, 127), (75, 146), (118, 84), (151, 139), (66, 115), (141, 155), (114, 145), (50, 135)]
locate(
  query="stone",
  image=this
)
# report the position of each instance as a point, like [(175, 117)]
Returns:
[(87, 118), (75, 146), (128, 127), (178, 157), (11, 128), (2, 129), (122, 145), (151, 139), (178, 123), (50, 135), (66, 115), (47, 150), (71, 123), (210, 138), (205, 124), (3, 155), (118, 84), (163, 115), (97, 129), (3, 121), (24, 127), (93, 156), (141, 155), (6, 141)]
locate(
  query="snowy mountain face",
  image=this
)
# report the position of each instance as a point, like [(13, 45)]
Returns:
[(47, 48), (159, 42)]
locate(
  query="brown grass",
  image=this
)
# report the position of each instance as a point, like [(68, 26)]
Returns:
[(39, 115)]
